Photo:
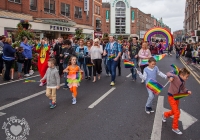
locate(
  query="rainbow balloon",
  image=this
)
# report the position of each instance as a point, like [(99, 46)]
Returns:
[(158, 30), (154, 86), (180, 95), (175, 69), (159, 57), (128, 64), (144, 62)]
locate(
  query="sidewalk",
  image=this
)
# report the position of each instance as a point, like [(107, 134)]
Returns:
[(196, 66)]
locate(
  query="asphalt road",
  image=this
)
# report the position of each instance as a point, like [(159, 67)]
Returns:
[(119, 116)]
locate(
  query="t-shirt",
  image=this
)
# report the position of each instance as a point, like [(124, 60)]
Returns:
[(1, 48), (81, 54), (133, 49)]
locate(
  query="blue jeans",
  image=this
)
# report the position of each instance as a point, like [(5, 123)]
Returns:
[(19, 67), (65, 75), (150, 98), (112, 65), (80, 64), (177, 54), (105, 65), (133, 70)]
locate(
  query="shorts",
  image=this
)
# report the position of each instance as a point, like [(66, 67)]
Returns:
[(19, 66)]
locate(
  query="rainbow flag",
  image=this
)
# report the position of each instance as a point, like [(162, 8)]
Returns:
[(112, 56), (144, 62), (128, 64), (182, 52), (180, 95), (29, 81), (90, 65), (79, 76), (154, 86), (175, 69), (159, 57)]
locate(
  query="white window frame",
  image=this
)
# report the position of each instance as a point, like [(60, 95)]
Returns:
[(15, 1)]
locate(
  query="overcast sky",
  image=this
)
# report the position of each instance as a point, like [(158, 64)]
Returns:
[(172, 11)]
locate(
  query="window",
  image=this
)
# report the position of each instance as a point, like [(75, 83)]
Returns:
[(65, 9), (17, 1), (78, 12), (33, 4), (120, 18), (49, 6)]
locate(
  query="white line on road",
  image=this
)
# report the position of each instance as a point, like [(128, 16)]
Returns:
[(129, 75), (157, 125), (101, 98), (23, 99), (19, 80), (1, 114)]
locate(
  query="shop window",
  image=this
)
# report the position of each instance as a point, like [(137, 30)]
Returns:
[(33, 4), (78, 12), (49, 6), (65, 9), (17, 1)]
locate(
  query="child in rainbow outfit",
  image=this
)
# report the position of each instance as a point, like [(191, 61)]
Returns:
[(74, 77), (177, 85), (150, 72)]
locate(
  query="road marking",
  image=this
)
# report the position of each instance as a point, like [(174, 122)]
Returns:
[(101, 98), (24, 99), (157, 125), (1, 114), (129, 75), (190, 71), (19, 80)]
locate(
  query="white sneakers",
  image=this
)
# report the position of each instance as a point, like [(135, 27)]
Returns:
[(142, 81), (26, 75), (74, 101), (177, 131), (31, 72), (163, 117)]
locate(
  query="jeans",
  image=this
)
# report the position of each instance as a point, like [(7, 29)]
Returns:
[(106, 66), (19, 67), (112, 65), (133, 70), (65, 75), (84, 67), (177, 54), (7, 72), (27, 66), (150, 98), (1, 64), (90, 70)]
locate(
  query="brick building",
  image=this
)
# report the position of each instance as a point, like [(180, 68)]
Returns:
[(120, 18), (70, 14), (179, 35)]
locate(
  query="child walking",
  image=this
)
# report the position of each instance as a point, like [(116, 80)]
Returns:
[(20, 61), (177, 85), (53, 82), (150, 72), (72, 80)]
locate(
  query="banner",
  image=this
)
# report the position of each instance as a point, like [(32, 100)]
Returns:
[(107, 15)]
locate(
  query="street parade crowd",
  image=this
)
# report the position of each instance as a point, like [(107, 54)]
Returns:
[(74, 59)]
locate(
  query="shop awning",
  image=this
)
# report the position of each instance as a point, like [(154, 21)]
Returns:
[(12, 15), (58, 21)]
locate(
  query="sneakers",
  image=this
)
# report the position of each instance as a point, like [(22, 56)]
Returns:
[(86, 78), (109, 75), (89, 78), (112, 83), (31, 72), (74, 101), (177, 131), (151, 110), (42, 84), (26, 75), (147, 110), (50, 102), (65, 87), (53, 105), (163, 117), (142, 81)]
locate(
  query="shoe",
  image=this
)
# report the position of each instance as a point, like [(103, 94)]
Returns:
[(142, 81), (163, 117), (65, 87), (89, 78), (177, 131), (133, 80), (109, 75), (86, 78), (112, 83), (151, 110), (42, 84), (1, 74), (147, 110), (74, 101), (26, 75), (53, 105), (50, 102)]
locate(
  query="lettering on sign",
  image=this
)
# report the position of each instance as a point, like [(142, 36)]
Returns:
[(59, 28), (86, 5)]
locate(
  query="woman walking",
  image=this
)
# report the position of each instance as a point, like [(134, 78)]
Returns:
[(96, 56), (8, 57), (89, 62)]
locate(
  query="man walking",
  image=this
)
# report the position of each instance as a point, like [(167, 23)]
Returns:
[(2, 39)]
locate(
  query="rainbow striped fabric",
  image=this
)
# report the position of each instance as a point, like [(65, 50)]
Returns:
[(112, 56), (180, 95), (29, 81), (128, 64), (159, 57), (79, 76), (144, 62), (154, 86), (175, 69)]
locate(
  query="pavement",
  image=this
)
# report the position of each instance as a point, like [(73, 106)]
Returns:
[(102, 112)]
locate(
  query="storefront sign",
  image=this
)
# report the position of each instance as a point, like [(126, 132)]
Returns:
[(97, 34), (86, 5), (133, 16), (107, 15), (125, 1), (59, 28)]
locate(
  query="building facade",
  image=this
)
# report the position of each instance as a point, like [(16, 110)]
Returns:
[(179, 35), (192, 20), (120, 18), (56, 15)]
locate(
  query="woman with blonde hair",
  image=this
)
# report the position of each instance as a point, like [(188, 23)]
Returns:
[(96, 58), (144, 53), (8, 57)]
